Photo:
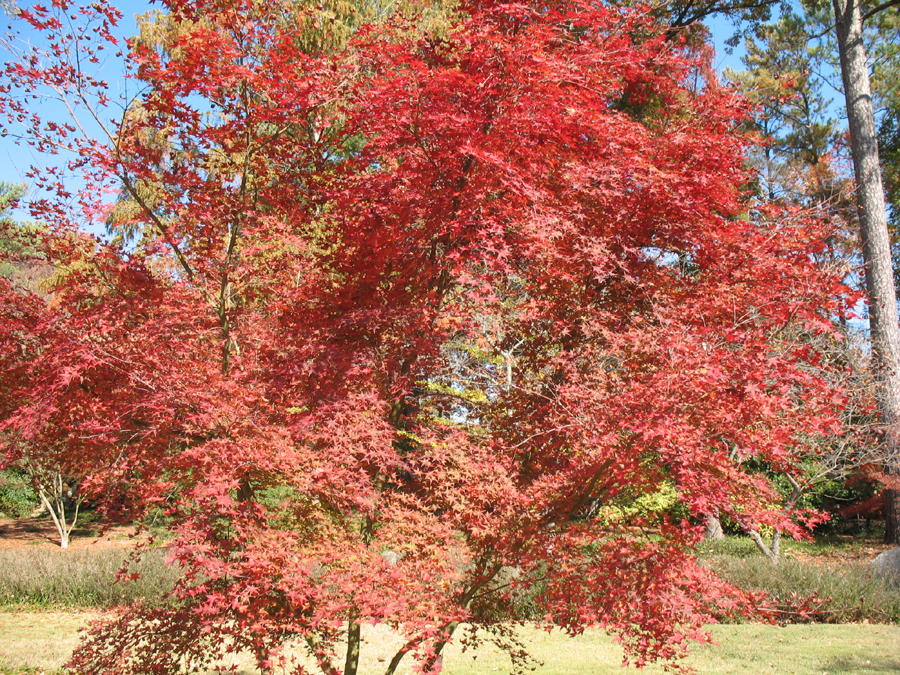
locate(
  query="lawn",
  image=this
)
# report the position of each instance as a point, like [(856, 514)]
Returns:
[(42, 589), (42, 641)]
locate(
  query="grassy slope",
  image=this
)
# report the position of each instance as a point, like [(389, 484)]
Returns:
[(43, 641)]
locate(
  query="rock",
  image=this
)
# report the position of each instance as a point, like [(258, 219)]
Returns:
[(391, 557), (714, 528), (887, 564)]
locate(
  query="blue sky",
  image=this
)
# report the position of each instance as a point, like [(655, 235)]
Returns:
[(15, 159)]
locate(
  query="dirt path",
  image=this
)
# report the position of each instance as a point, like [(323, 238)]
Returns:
[(840, 551), (862, 554), (40, 532)]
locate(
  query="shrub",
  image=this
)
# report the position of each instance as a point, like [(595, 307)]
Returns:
[(86, 579), (808, 592), (17, 498)]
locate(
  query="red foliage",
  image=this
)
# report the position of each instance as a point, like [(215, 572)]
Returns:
[(872, 507), (464, 298)]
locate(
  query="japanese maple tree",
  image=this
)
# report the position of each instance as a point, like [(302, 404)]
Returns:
[(398, 325)]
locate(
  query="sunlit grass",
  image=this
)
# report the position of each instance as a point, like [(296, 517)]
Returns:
[(43, 642)]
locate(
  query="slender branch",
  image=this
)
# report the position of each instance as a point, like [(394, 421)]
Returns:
[(823, 33), (797, 491), (160, 226), (761, 545), (590, 488), (448, 629), (398, 657), (50, 508), (868, 15), (225, 289), (497, 589), (321, 657), (880, 8), (78, 501), (59, 519)]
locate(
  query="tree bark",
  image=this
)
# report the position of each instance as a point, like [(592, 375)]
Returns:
[(891, 517), (353, 640), (770, 553), (885, 332), (55, 503)]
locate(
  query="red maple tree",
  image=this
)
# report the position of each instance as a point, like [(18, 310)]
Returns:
[(402, 329)]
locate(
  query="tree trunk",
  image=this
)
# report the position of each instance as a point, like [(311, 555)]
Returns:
[(58, 520), (55, 503), (874, 233), (354, 634), (770, 553), (891, 517)]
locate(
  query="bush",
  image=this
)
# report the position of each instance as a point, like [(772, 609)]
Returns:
[(85, 579), (17, 498), (808, 592)]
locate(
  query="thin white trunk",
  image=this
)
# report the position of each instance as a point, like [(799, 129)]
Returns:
[(60, 525), (771, 554), (57, 508)]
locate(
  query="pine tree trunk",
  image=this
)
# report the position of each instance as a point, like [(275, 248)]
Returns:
[(882, 297)]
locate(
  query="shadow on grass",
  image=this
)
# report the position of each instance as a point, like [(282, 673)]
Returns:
[(856, 664)]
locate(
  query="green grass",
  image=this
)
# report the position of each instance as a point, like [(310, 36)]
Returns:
[(823, 545), (55, 579), (43, 641), (46, 578), (38, 641), (743, 650)]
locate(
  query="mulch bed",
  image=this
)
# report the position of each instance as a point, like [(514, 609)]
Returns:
[(860, 551), (40, 532)]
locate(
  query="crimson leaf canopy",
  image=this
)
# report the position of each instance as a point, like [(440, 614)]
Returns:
[(409, 318)]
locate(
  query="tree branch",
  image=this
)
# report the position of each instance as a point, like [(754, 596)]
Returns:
[(398, 657), (320, 655), (880, 8), (761, 545)]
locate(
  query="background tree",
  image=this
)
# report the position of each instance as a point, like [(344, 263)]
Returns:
[(26, 271), (791, 114), (872, 213), (885, 46), (800, 165), (848, 29), (16, 496)]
